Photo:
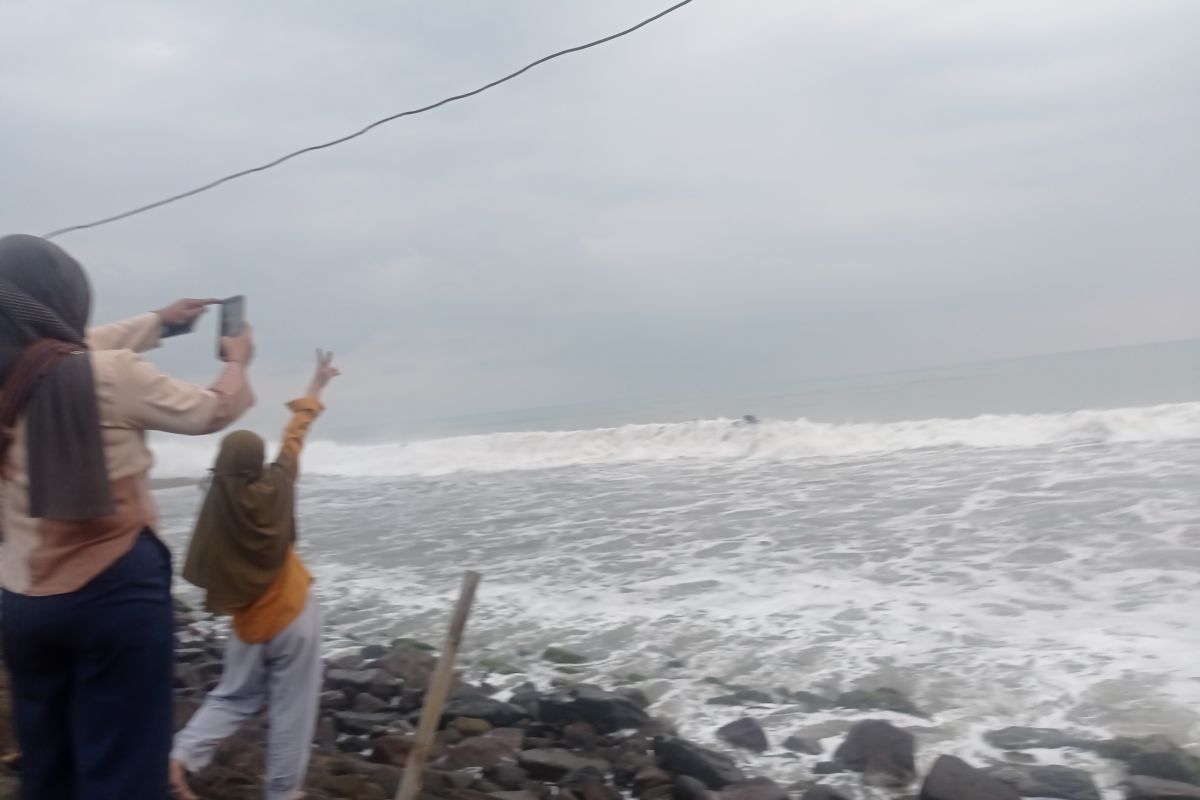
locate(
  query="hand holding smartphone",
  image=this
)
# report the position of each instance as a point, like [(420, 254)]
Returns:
[(233, 323)]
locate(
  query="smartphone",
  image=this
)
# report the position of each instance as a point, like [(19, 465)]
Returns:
[(233, 319)]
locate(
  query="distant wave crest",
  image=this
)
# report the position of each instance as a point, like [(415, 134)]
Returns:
[(717, 440)]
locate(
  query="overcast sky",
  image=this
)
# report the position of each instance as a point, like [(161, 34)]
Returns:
[(747, 193)]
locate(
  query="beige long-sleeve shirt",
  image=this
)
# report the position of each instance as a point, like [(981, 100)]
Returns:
[(46, 556)]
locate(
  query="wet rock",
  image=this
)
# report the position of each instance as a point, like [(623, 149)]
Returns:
[(878, 700), (335, 700), (588, 784), (359, 680), (412, 667), (354, 744), (1141, 787), (828, 768), (478, 706), (1153, 757), (562, 656), (493, 749), (634, 695), (803, 744), (628, 764), (689, 788), (357, 722), (1020, 738), (471, 727), (509, 777), (650, 777), (581, 735), (368, 703), (608, 712), (660, 793), (1047, 781), (393, 749), (756, 789), (884, 754), (743, 697), (520, 794), (954, 779), (715, 770), (326, 735), (745, 733), (372, 652), (526, 696), (820, 792), (555, 764)]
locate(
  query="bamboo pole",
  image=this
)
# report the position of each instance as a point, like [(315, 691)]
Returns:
[(439, 687)]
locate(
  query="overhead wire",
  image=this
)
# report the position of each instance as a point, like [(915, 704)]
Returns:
[(360, 132)]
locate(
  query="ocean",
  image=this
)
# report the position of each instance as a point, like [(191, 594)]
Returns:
[(1010, 543)]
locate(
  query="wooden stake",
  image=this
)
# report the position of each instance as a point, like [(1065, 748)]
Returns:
[(439, 687)]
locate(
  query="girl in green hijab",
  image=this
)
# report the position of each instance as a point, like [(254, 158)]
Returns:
[(243, 554)]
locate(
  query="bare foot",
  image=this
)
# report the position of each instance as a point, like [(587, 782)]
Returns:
[(179, 784)]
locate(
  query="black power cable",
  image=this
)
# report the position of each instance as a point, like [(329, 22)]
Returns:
[(226, 179)]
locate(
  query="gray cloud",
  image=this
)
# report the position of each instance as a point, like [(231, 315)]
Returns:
[(746, 193)]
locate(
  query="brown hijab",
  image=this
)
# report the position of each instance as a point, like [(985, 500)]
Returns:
[(246, 528)]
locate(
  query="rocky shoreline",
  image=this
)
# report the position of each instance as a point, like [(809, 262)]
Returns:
[(581, 742)]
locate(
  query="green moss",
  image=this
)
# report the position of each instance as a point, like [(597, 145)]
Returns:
[(413, 644), (498, 666), (558, 655)]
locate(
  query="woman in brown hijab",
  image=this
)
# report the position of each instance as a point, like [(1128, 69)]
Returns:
[(88, 625), (243, 554)]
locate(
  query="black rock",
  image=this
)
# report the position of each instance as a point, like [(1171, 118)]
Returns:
[(820, 792), (477, 706), (689, 788), (1018, 738), (608, 712), (335, 701), (556, 764), (634, 695), (884, 754), (368, 703), (373, 651), (828, 768), (508, 777), (745, 733), (1048, 781), (878, 700), (715, 770), (526, 696), (360, 680), (354, 744), (1153, 757), (954, 779), (360, 723), (754, 789), (1141, 787)]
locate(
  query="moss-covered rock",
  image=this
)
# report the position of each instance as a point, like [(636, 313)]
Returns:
[(562, 656)]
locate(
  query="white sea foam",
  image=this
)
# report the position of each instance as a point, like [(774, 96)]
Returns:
[(718, 439)]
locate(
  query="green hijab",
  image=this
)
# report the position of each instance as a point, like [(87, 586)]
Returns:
[(246, 527)]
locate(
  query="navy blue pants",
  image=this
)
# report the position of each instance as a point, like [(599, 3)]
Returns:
[(92, 675)]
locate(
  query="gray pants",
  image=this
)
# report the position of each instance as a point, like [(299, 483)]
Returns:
[(285, 675)]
